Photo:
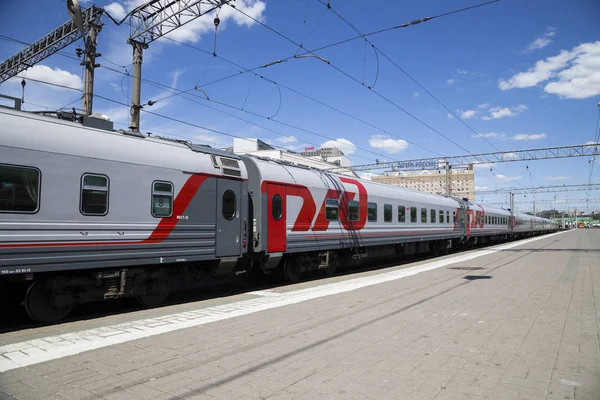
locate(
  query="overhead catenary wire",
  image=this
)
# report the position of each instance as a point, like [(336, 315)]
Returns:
[(180, 92), (173, 119), (355, 80), (162, 86), (271, 118), (371, 89), (378, 50), (127, 74), (408, 25)]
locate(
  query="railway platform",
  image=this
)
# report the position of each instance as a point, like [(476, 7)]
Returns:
[(514, 321)]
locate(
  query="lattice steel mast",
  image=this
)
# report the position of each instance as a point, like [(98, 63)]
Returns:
[(152, 21), (58, 39), (580, 150)]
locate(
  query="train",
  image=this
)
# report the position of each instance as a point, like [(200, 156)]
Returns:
[(89, 213)]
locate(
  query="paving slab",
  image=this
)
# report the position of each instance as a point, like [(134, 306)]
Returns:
[(514, 321)]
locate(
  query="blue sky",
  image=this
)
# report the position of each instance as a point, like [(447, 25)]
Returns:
[(520, 74)]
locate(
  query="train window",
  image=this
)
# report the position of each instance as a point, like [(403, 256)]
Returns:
[(94, 194), (413, 214), (331, 209), (229, 205), (454, 216), (372, 211), (441, 220), (447, 217), (423, 215), (401, 214), (387, 213), (353, 210), (19, 189), (432, 212), (276, 207), (162, 199)]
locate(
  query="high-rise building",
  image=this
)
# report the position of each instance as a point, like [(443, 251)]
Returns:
[(461, 180)]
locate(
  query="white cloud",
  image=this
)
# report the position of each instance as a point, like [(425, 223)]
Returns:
[(534, 136), (509, 156), (166, 93), (468, 114), (206, 138), (541, 71), (481, 165), (450, 116), (496, 112), (346, 146), (461, 71), (501, 177), (481, 187), (556, 178), (415, 94), (367, 175), (540, 42), (501, 112), (451, 81), (116, 10), (490, 135), (592, 142), (571, 74), (193, 30), (44, 73), (387, 144), (286, 139)]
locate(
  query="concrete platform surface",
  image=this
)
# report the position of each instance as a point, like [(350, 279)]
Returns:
[(514, 321)]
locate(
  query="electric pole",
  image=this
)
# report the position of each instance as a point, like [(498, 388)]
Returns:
[(136, 93), (90, 64)]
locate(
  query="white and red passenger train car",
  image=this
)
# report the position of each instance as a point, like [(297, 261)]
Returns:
[(89, 213)]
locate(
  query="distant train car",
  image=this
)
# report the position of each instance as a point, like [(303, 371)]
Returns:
[(306, 219), (488, 223)]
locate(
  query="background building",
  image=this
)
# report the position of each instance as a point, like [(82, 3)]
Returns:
[(327, 158), (332, 155), (461, 180)]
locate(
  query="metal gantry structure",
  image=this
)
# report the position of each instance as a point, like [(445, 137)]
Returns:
[(579, 150), (542, 189), (148, 23), (152, 21), (57, 40)]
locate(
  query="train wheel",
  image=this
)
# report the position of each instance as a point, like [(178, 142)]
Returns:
[(47, 306), (331, 269), (292, 271), (152, 300), (157, 291)]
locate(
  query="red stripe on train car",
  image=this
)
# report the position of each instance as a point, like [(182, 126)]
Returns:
[(162, 230)]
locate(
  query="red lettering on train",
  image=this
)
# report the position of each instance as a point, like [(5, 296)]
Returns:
[(363, 198)]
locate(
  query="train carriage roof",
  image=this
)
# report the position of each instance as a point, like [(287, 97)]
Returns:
[(288, 173), (51, 135)]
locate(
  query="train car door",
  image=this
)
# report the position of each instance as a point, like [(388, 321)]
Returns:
[(228, 221), (461, 221), (276, 218)]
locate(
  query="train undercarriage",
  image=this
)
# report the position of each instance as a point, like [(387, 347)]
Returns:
[(50, 297)]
